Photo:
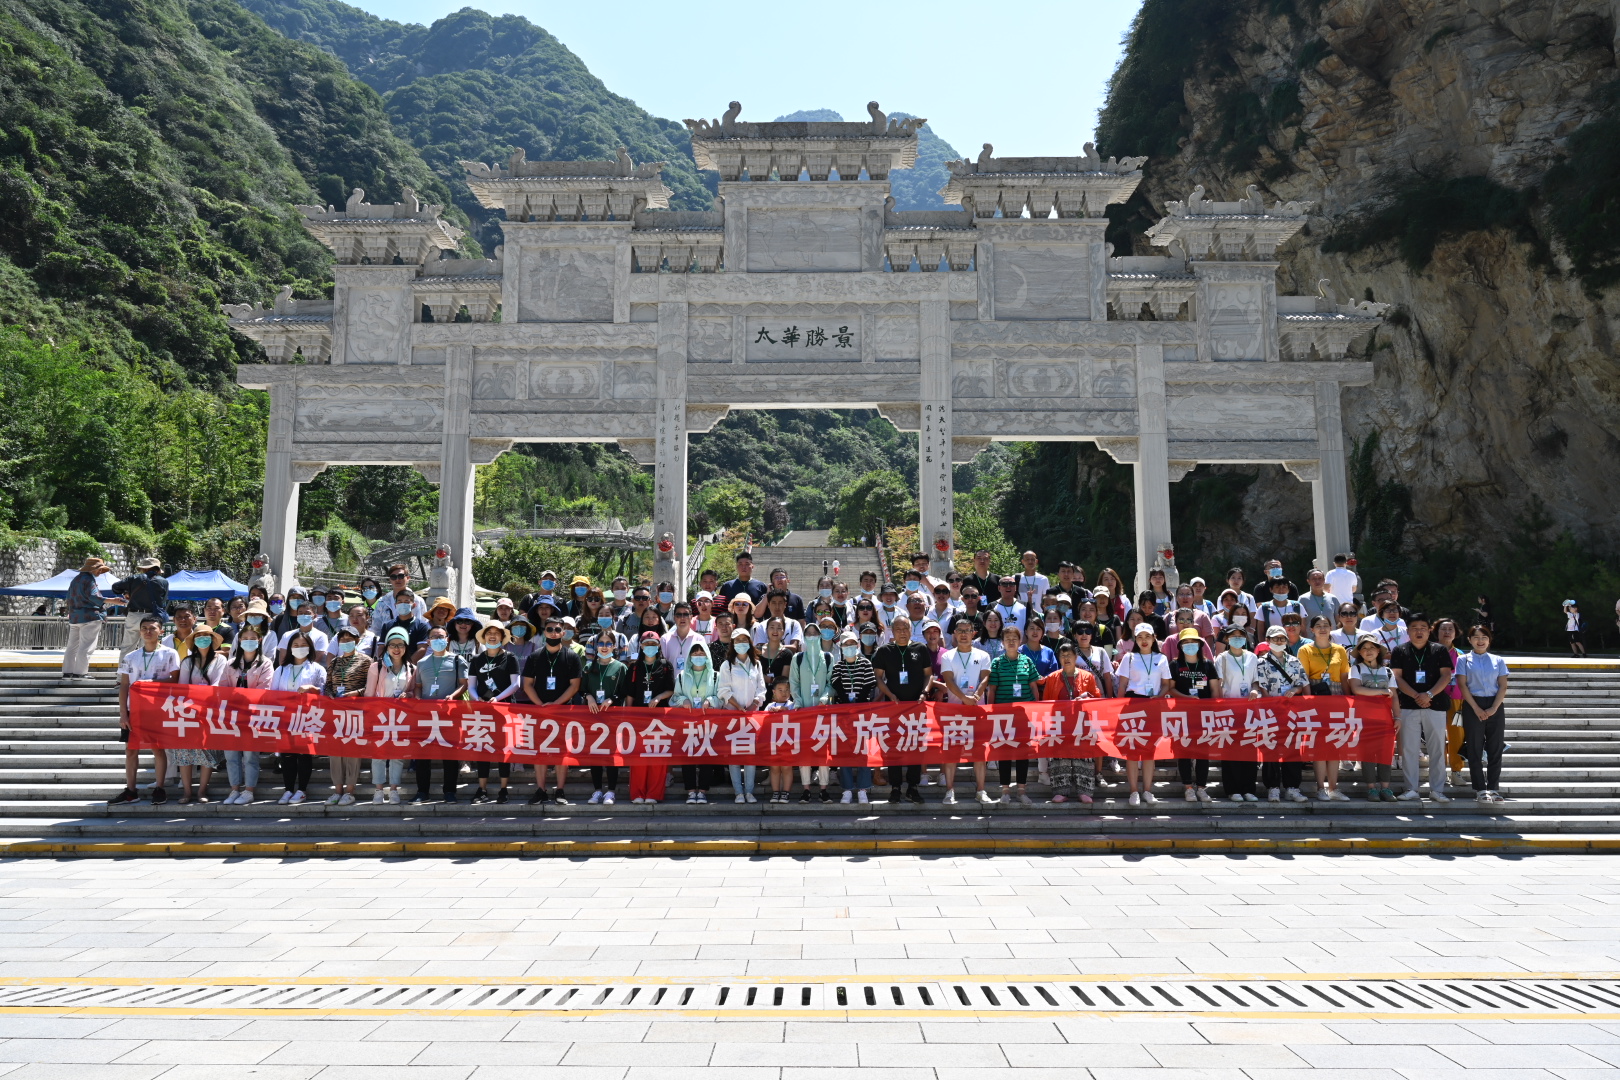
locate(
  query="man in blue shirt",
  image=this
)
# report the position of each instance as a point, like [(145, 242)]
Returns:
[(85, 614), (743, 584)]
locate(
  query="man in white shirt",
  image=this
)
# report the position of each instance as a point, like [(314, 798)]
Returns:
[(678, 641), (153, 661), (920, 563), (1032, 584), (1342, 581), (965, 671), (776, 607), (1011, 610)]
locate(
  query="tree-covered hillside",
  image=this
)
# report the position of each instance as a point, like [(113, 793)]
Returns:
[(477, 86)]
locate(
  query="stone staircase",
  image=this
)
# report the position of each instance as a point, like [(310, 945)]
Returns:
[(60, 759), (804, 554)]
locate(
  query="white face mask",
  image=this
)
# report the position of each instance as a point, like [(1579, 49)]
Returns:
[(300, 651)]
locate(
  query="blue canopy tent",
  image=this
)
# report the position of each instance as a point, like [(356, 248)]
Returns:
[(56, 585), (202, 584)]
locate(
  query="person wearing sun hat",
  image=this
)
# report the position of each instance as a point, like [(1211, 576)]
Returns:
[(145, 592), (575, 600), (85, 612)]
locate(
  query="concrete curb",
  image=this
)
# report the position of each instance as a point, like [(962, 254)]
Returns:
[(1413, 845)]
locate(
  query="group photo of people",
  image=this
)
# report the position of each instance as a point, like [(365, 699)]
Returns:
[(753, 641)]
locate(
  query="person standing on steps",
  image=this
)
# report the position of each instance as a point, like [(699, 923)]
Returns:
[(442, 676), (966, 671), (1193, 677), (1013, 680), (1070, 682), (146, 592), (299, 672), (206, 665), (810, 680), (346, 677), (1422, 672), (1484, 685), (551, 677), (604, 686), (86, 613), (650, 682), (152, 662), (250, 670), (493, 675), (742, 687), (1371, 676), (853, 681), (1238, 670), (392, 676), (697, 687), (905, 671), (1575, 627)]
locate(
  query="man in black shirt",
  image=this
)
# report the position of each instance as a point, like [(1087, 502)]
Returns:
[(905, 671), (551, 676), (743, 583), (1422, 672), (982, 579), (1194, 677)]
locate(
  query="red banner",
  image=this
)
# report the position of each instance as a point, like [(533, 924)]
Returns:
[(170, 715)]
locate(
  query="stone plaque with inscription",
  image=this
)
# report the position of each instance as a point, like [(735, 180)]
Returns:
[(804, 340)]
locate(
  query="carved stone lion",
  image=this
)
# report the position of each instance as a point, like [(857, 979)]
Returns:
[(264, 575), (442, 577)]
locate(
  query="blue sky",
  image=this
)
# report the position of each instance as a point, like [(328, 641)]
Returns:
[(1026, 75)]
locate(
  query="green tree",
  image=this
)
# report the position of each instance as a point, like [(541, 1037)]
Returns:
[(880, 495), (810, 508), (730, 503)]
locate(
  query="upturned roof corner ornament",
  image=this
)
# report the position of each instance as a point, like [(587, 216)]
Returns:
[(785, 149), (569, 191), (1070, 187), (1245, 230)]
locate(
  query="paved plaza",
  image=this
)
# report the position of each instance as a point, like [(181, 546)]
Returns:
[(654, 921)]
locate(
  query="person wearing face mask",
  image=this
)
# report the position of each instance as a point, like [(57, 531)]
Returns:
[(299, 672), (618, 599), (370, 590), (392, 676), (151, 662), (1232, 613), (331, 618), (493, 675), (346, 676), (280, 621), (1422, 670), (664, 599), (1279, 604), (1238, 671), (405, 618), (605, 684), (205, 665), (552, 676), (649, 684), (578, 589), (1387, 625), (1371, 676), (441, 675), (742, 687), (286, 619), (1143, 672), (888, 606), (548, 592), (521, 640), (1013, 679), (1070, 682), (868, 630), (810, 687), (774, 655), (1281, 675), (825, 587), (1193, 677), (464, 634), (1327, 666), (853, 681), (697, 686), (257, 616), (304, 623), (365, 642), (250, 670)]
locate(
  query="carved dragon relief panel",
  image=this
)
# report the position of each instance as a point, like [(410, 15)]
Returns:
[(379, 321), (709, 339), (568, 284)]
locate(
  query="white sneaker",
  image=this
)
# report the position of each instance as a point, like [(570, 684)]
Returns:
[(378, 798), (983, 796), (607, 798), (741, 799), (1409, 795), (749, 796), (1324, 795), (950, 798), (298, 797), (393, 798), (1338, 796), (1439, 796), (846, 797), (1135, 799), (860, 797), (1149, 798), (1273, 795), (1249, 796), (928, 780), (1190, 794), (244, 799), (596, 798), (1023, 797), (1204, 796), (286, 797), (346, 800), (1238, 798), (1006, 797), (1295, 795), (332, 799)]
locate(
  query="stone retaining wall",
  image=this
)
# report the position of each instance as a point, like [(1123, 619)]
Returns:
[(43, 558)]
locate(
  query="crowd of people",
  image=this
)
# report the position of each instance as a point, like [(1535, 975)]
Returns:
[(748, 643)]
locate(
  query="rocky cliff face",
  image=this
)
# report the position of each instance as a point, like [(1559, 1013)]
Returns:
[(1425, 128)]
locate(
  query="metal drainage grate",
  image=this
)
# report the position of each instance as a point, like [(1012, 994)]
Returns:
[(1406, 997)]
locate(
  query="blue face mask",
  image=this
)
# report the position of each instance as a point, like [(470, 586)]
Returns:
[(913, 586), (828, 633), (604, 621), (649, 651), (277, 609), (345, 648), (666, 598), (439, 644), (203, 642), (547, 586), (851, 651), (369, 594), (318, 599), (255, 620), (699, 662), (825, 593), (580, 590), (249, 645), (305, 620), (742, 648), (869, 639), (1240, 642), (333, 605), (520, 631)]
